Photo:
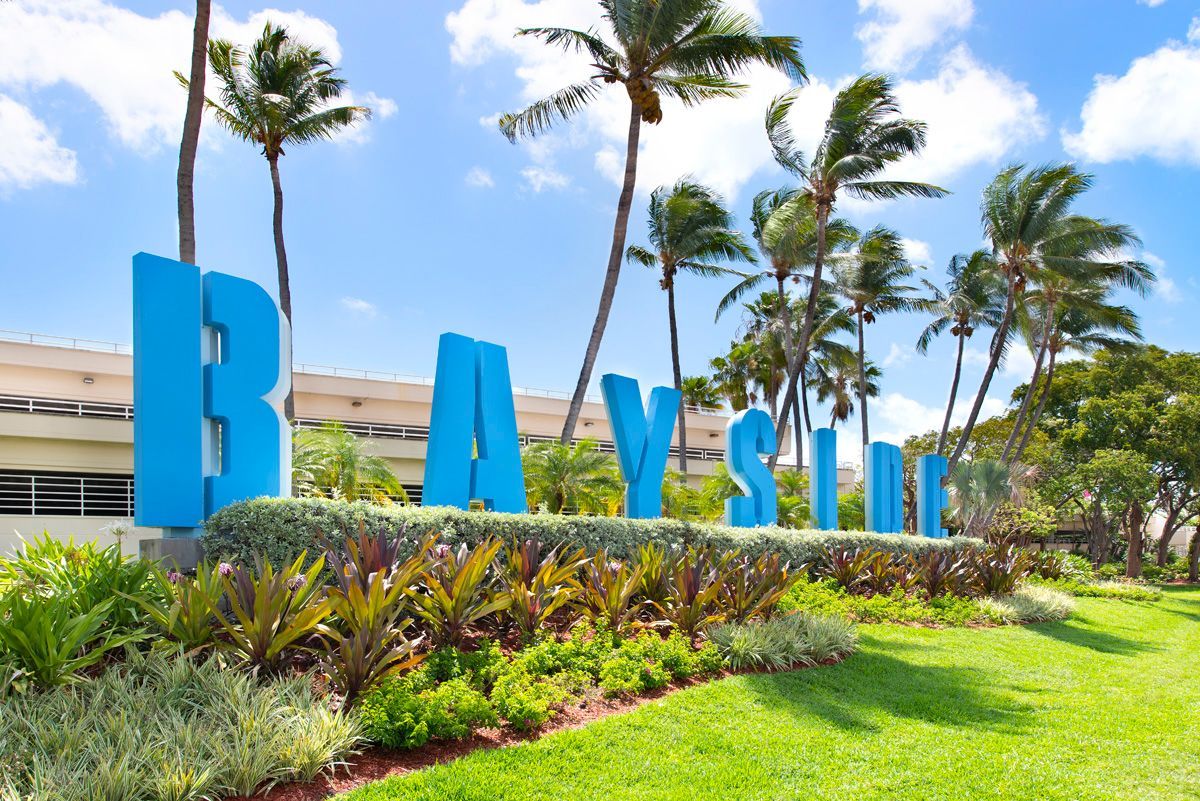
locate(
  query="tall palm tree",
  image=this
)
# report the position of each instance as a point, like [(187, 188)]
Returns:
[(1083, 329), (688, 50), (870, 279), (836, 380), (701, 391), (973, 299), (185, 175), (863, 136), (332, 462), (570, 476), (689, 231), (1027, 218), (279, 93), (790, 252), (1039, 310), (763, 329)]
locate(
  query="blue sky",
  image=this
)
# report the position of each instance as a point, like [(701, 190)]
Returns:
[(427, 220)]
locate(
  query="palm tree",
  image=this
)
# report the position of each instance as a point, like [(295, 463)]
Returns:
[(332, 462), (979, 487), (683, 49), (689, 230), (1026, 217), (570, 476), (1039, 310), (870, 281), (836, 380), (790, 252), (733, 373), (279, 93), (830, 320), (1082, 329), (191, 133), (863, 136), (701, 392), (972, 300)]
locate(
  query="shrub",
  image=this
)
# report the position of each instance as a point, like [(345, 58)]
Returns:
[(281, 528), (826, 598), (182, 609), (997, 569), (406, 711), (163, 726), (480, 667), (786, 641), (1030, 603), (537, 586), (527, 701), (1118, 590), (648, 661), (695, 578), (940, 573), (753, 587)]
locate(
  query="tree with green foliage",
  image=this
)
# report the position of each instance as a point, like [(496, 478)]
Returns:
[(571, 477), (331, 462), (690, 232), (1117, 484), (700, 391), (1028, 219), (688, 50), (863, 136), (279, 93)]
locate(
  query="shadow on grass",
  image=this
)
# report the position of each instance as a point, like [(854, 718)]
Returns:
[(1073, 632), (873, 685)]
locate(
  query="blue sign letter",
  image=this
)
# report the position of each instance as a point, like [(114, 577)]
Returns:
[(244, 388), (748, 434), (642, 449), (473, 410), (168, 426), (822, 479), (881, 468), (932, 497)]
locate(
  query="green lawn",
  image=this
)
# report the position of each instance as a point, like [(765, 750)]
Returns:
[(1103, 706)]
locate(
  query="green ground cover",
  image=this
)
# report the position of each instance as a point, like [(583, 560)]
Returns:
[(1100, 706)]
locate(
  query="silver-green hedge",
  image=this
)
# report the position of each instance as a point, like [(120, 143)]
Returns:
[(280, 528)]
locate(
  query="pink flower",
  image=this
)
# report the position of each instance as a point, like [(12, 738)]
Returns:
[(225, 569), (174, 577), (296, 582)]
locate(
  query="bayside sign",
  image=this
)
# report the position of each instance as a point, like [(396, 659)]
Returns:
[(211, 369)]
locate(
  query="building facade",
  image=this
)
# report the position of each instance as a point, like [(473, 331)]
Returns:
[(66, 431)]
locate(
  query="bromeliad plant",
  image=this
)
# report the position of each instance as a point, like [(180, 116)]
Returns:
[(537, 586), (457, 591), (847, 568), (753, 587), (651, 560), (997, 569), (608, 589), (182, 608), (271, 613), (694, 582), (939, 573)]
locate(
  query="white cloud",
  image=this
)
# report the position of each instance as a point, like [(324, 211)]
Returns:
[(30, 154), (1165, 288), (479, 177), (1018, 362), (974, 115), (902, 30), (1151, 3), (894, 417), (1152, 110), (897, 356), (917, 252), (539, 178), (363, 308), (123, 61)]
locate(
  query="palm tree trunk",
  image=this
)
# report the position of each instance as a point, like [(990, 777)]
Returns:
[(805, 332), (785, 319), (941, 442), (677, 374), (620, 227), (191, 135), (281, 266), (1037, 413), (804, 400), (994, 359), (862, 381), (1023, 412)]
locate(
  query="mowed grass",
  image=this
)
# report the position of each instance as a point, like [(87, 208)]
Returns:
[(1105, 705)]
